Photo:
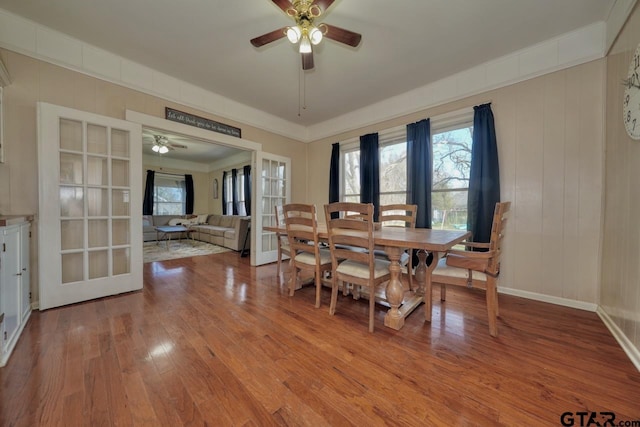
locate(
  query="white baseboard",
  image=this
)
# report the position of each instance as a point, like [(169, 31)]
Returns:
[(35, 305), (631, 350), (566, 302)]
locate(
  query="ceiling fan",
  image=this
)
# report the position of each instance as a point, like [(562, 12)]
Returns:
[(161, 144), (304, 12)]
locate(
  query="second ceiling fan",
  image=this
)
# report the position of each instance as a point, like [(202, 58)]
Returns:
[(305, 32)]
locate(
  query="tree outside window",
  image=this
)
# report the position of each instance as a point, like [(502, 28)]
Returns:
[(451, 166), (169, 194)]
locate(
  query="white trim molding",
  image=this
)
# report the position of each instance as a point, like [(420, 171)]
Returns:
[(566, 302), (577, 47), (631, 350)]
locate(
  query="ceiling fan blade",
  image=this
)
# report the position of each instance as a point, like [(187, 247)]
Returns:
[(269, 37), (323, 4), (283, 4), (307, 61), (343, 36), (176, 145)]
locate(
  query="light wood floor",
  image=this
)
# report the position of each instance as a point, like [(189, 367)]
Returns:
[(213, 341)]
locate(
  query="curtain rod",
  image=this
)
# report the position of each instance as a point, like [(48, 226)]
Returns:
[(167, 173)]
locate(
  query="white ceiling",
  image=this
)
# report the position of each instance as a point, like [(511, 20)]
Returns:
[(405, 44), (182, 147)]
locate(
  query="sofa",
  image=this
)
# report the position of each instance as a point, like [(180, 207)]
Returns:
[(228, 231), (224, 230)]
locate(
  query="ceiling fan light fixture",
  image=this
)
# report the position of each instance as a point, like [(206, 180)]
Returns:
[(315, 35), (163, 149), (293, 34), (305, 45), (155, 148)]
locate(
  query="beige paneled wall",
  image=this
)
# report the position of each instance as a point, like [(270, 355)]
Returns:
[(200, 185), (620, 289), (550, 141), (33, 80)]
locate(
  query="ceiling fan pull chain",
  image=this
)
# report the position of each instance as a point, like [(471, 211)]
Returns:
[(302, 91), (299, 91)]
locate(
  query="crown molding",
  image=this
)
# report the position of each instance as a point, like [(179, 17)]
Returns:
[(32, 39), (567, 50)]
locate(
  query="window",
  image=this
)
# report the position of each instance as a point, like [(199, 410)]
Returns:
[(451, 136), (228, 189), (393, 166), (169, 194), (451, 166), (242, 209), (351, 175)]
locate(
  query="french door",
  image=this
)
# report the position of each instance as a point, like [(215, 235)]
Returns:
[(90, 204), (273, 187)]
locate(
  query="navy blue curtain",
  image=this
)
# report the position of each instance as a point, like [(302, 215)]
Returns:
[(224, 193), (188, 181), (147, 203), (419, 170), (334, 177), (234, 190), (484, 178), (247, 188), (370, 172)]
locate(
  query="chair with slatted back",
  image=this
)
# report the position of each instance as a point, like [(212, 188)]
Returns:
[(358, 267), (306, 255), (283, 241), (473, 268), (400, 215)]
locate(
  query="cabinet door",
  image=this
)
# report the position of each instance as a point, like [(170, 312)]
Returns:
[(25, 270), (10, 283)]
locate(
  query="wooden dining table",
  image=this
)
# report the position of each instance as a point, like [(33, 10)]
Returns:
[(394, 240)]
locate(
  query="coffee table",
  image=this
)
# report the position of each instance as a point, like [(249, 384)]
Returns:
[(164, 232)]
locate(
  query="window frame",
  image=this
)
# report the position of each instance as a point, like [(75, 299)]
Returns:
[(454, 120), (242, 207), (169, 176)]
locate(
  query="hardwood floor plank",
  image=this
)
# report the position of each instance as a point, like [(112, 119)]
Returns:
[(213, 341), (96, 402)]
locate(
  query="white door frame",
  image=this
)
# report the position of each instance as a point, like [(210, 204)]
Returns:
[(147, 120)]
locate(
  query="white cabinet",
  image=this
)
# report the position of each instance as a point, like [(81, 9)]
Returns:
[(15, 301)]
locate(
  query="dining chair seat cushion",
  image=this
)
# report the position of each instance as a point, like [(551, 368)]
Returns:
[(309, 259), (357, 269), (286, 248), (446, 270)]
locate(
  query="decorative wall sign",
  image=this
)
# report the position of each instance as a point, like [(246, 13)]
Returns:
[(201, 122)]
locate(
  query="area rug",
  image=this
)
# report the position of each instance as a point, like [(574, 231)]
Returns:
[(157, 251)]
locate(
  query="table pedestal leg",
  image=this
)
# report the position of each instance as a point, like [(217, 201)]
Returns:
[(427, 288), (394, 291), (421, 271)]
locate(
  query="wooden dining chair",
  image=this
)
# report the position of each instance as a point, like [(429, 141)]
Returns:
[(306, 255), (400, 215), (478, 267), (358, 267), (283, 241)]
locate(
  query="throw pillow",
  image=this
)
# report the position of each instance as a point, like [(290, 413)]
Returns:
[(202, 219)]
